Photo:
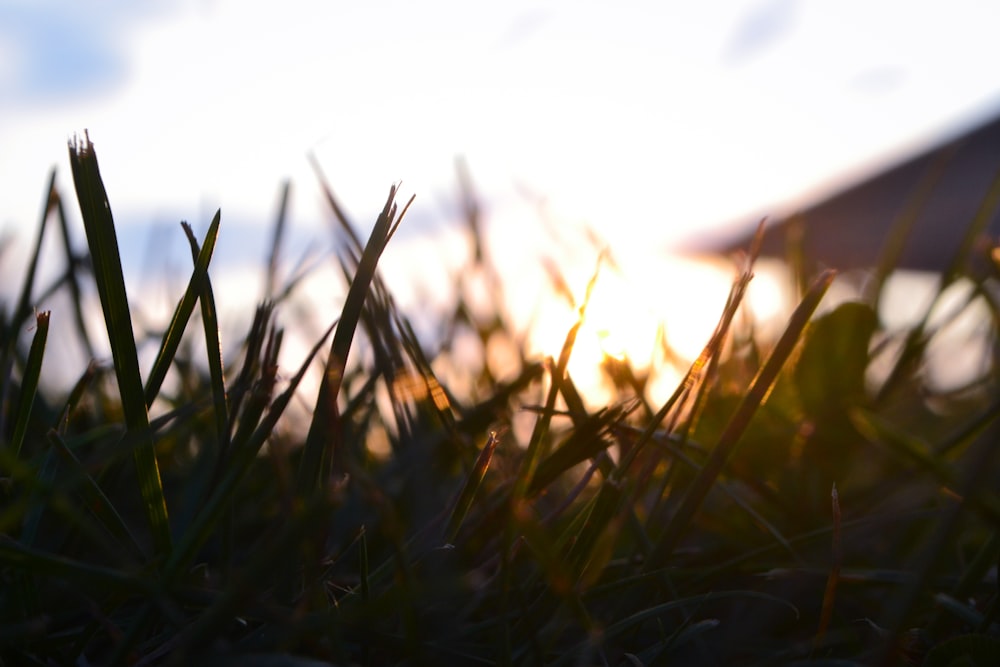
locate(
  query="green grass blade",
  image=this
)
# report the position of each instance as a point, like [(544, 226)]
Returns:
[(589, 437), (243, 456), (174, 333), (213, 346), (325, 428), (747, 506), (471, 486), (730, 437), (10, 331), (705, 362), (103, 243), (29, 383), (251, 357)]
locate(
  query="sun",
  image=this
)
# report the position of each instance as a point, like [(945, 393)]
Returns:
[(656, 314)]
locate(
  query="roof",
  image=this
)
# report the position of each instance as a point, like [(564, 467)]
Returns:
[(936, 195)]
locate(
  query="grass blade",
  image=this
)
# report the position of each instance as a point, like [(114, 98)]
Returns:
[(472, 484), (277, 240), (730, 437), (24, 301), (833, 579), (29, 383), (235, 470), (325, 434), (9, 334), (213, 347), (103, 243), (172, 338), (73, 266), (535, 451)]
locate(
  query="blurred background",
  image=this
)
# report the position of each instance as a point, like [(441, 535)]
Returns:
[(631, 125)]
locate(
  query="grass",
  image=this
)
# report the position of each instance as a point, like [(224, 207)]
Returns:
[(786, 505)]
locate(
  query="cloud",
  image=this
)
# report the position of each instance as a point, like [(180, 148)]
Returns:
[(759, 28), (62, 51)]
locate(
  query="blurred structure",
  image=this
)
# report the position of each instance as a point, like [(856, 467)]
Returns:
[(918, 210)]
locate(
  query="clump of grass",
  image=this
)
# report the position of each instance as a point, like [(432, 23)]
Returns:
[(699, 531)]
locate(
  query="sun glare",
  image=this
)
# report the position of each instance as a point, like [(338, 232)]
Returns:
[(634, 310)]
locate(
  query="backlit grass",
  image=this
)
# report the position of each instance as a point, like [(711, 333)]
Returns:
[(786, 505)]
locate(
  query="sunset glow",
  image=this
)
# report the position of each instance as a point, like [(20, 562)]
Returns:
[(633, 310)]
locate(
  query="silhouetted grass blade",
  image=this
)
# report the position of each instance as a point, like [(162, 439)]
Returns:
[(536, 445), (213, 348), (469, 489), (324, 441), (182, 313), (236, 468), (103, 243), (29, 382), (615, 534), (695, 494)]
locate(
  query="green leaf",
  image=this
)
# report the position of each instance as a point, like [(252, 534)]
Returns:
[(830, 373)]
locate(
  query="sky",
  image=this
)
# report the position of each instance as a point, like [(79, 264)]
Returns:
[(644, 121)]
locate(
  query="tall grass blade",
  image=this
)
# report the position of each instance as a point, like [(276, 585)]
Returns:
[(208, 517), (24, 300), (213, 347), (705, 361), (469, 489), (730, 437), (103, 243), (536, 445), (73, 265), (833, 579), (29, 382), (9, 334), (277, 240), (324, 444), (182, 313)]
